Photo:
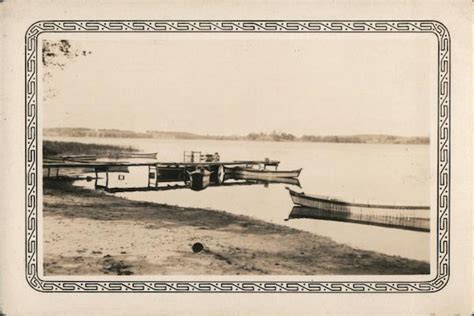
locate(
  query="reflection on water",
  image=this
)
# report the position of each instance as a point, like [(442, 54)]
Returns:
[(146, 179), (409, 223), (384, 174), (178, 186)]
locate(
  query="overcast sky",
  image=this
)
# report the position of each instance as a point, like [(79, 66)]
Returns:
[(226, 84)]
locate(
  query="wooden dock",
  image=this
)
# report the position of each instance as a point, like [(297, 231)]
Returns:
[(158, 171), (96, 164)]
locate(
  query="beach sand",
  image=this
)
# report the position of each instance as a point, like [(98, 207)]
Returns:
[(92, 233)]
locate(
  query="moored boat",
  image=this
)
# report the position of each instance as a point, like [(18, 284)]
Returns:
[(171, 174), (132, 156), (264, 180), (199, 179), (262, 173), (123, 155)]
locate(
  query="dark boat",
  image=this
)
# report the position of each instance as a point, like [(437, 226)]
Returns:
[(400, 216), (263, 173), (171, 174), (199, 179), (217, 174)]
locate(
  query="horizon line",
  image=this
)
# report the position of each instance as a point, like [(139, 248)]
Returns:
[(238, 135)]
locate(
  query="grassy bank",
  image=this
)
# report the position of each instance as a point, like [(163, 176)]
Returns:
[(54, 148), (90, 233)]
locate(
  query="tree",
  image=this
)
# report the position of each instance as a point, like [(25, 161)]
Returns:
[(55, 56)]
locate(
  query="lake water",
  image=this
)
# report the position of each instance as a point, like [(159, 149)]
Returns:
[(382, 174)]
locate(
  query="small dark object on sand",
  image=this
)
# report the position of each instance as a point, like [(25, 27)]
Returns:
[(197, 247)]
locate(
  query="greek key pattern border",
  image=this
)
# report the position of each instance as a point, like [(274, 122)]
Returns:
[(32, 58)]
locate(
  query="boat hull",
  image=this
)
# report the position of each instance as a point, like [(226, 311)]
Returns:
[(170, 174), (199, 179), (289, 181), (263, 174)]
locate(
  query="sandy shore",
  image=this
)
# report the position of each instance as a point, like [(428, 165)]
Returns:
[(90, 233)]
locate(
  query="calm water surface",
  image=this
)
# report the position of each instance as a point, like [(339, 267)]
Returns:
[(385, 174)]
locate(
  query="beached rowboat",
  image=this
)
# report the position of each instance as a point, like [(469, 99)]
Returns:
[(332, 204)]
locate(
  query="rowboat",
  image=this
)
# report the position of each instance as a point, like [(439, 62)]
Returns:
[(402, 216), (78, 157), (124, 155), (133, 156), (262, 173), (290, 181), (282, 180), (199, 179)]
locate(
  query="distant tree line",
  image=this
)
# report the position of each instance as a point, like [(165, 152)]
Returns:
[(87, 132), (273, 136), (366, 139)]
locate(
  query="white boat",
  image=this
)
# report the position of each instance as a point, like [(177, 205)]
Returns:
[(262, 173)]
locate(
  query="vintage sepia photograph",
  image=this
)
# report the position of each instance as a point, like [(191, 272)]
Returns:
[(236, 158), (237, 154)]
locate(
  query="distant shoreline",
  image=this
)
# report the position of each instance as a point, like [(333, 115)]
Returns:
[(257, 137)]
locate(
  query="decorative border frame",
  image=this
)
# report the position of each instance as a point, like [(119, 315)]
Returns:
[(238, 26)]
